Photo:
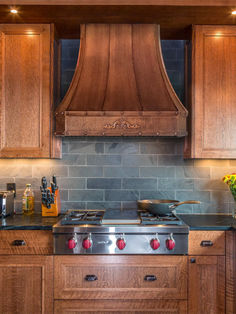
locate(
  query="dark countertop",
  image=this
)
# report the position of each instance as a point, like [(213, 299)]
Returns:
[(209, 222), (33, 222), (194, 221)]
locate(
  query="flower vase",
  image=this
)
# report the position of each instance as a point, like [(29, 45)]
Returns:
[(234, 210), (233, 191)]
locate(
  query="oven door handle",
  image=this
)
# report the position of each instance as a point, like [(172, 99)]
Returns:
[(91, 277)]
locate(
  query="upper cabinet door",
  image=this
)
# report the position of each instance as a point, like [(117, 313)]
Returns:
[(213, 127), (26, 95)]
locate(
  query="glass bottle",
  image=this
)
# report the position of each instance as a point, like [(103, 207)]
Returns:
[(28, 200)]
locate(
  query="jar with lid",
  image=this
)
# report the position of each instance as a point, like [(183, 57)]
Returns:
[(28, 200)]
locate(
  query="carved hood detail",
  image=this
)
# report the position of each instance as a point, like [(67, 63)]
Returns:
[(120, 86)]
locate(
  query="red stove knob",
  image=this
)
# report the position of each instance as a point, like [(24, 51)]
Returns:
[(120, 244), (155, 243), (170, 242), (72, 244), (87, 243)]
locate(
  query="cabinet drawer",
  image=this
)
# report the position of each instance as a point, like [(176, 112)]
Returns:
[(206, 243), (34, 242), (120, 277), (120, 306)]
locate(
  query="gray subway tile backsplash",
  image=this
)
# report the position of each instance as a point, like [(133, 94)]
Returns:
[(139, 184), (122, 148), (86, 195), (85, 147), (139, 160), (121, 195), (104, 160), (103, 183), (153, 148), (121, 172), (116, 177), (157, 172), (87, 171)]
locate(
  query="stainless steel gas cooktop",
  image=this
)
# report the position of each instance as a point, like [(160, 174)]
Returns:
[(119, 232)]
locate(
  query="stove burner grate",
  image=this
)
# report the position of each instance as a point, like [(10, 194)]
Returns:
[(150, 219), (83, 217)]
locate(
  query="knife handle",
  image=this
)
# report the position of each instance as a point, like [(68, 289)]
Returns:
[(44, 183), (54, 180)]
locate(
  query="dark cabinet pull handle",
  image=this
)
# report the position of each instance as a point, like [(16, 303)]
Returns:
[(206, 243), (150, 278), (91, 277), (18, 243), (192, 260)]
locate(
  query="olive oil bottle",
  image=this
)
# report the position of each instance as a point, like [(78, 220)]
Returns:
[(28, 201)]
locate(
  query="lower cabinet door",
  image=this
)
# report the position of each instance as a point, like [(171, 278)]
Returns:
[(120, 307), (206, 285), (26, 284)]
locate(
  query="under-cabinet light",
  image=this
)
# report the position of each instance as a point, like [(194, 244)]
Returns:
[(14, 11), (233, 12)]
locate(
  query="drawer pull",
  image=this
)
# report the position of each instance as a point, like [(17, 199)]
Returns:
[(150, 278), (18, 243), (91, 277), (192, 260), (207, 243)]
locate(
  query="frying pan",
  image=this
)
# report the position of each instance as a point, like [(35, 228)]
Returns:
[(162, 207)]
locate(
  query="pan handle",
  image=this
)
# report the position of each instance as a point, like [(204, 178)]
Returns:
[(185, 202)]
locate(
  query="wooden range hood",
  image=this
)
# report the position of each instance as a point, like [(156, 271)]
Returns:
[(120, 86)]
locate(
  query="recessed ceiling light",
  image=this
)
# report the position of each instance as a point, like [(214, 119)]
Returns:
[(13, 11), (234, 12)]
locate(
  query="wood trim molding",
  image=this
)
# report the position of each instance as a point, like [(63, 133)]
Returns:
[(122, 2), (230, 272)]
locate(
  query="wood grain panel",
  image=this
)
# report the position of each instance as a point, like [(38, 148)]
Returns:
[(230, 272), (120, 277), (120, 306), (216, 237), (27, 284), (26, 103), (36, 242), (21, 88), (206, 285), (214, 94)]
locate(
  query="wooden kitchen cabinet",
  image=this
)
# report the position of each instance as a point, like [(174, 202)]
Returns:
[(206, 285), (213, 109), (120, 284), (230, 272), (119, 306), (26, 284), (206, 272), (120, 277), (33, 242), (203, 242), (26, 272), (27, 95)]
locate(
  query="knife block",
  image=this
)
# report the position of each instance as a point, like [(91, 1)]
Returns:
[(55, 209)]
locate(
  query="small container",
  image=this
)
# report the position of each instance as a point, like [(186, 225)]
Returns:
[(28, 201)]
